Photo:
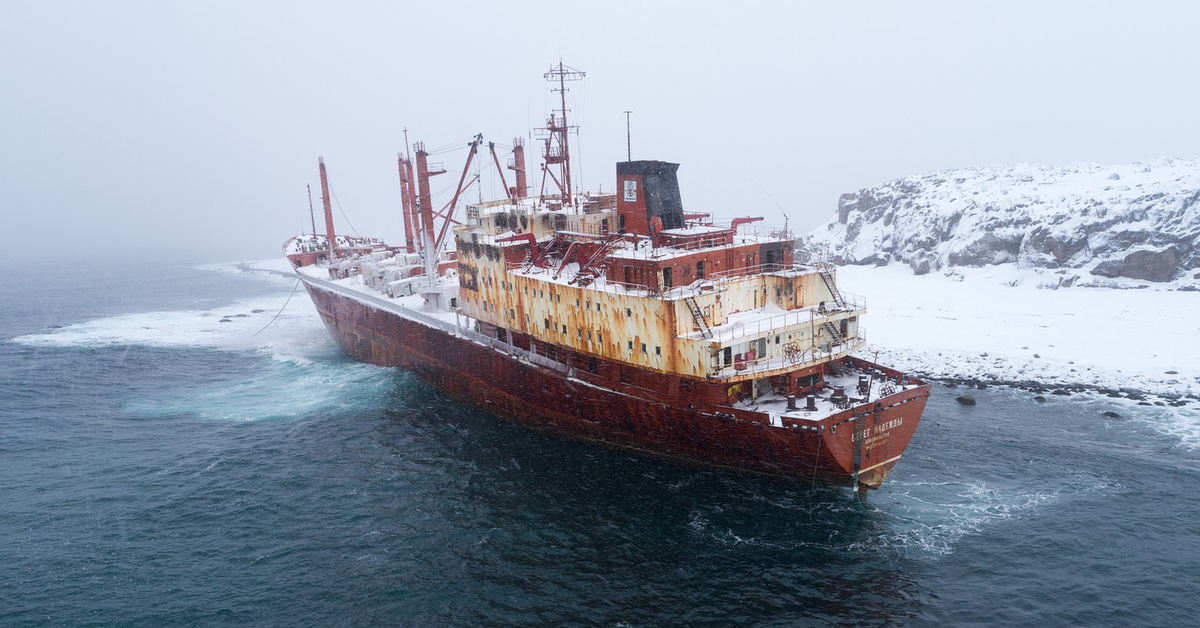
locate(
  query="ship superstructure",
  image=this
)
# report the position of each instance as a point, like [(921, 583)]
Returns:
[(619, 317)]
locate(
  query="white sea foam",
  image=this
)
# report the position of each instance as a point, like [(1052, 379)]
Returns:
[(306, 374), (244, 325), (280, 391), (928, 518), (274, 268)]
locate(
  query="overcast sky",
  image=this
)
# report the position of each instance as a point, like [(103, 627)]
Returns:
[(191, 129)]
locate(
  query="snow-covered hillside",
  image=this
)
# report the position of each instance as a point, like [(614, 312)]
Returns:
[(1082, 224)]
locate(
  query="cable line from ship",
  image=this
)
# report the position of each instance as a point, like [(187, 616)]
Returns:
[(285, 304), (339, 204)]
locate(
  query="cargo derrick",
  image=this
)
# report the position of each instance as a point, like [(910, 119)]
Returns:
[(619, 317)]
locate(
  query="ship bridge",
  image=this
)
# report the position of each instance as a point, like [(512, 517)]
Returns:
[(695, 299)]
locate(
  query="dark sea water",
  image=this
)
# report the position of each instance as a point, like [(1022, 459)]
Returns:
[(159, 467)]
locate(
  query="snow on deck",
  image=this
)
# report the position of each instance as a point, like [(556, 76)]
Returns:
[(776, 404)]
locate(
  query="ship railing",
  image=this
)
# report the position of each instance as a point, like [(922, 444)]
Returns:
[(765, 231), (700, 243), (807, 356), (778, 322), (749, 271)]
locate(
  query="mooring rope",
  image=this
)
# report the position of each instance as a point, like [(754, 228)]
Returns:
[(285, 304)]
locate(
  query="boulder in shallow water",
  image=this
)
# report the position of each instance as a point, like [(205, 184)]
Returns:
[(967, 399), (1112, 415)]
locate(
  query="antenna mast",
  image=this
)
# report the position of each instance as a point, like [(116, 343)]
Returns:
[(311, 215), (557, 129), (628, 142)]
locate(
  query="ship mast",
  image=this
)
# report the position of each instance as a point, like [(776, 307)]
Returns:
[(328, 210), (425, 209), (556, 131), (405, 203)]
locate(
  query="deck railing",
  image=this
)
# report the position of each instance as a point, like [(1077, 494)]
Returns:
[(807, 357)]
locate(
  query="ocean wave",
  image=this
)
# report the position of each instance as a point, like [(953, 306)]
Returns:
[(247, 325), (927, 519), (274, 268), (283, 390)]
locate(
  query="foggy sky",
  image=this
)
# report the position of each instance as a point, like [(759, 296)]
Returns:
[(189, 130)]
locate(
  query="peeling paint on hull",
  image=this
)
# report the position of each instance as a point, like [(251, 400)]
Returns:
[(627, 416)]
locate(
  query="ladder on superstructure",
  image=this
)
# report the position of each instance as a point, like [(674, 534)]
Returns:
[(835, 335), (697, 314), (827, 276)]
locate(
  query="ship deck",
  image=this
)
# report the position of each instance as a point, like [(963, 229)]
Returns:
[(772, 406), (775, 404)]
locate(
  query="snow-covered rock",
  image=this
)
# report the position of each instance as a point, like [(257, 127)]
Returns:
[(1090, 224)]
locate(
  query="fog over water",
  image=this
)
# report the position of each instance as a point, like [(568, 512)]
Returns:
[(191, 129)]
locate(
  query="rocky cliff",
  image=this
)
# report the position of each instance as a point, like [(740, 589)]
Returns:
[(1138, 221)]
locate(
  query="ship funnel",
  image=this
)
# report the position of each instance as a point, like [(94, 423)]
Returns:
[(647, 190)]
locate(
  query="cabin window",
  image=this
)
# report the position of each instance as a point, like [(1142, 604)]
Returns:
[(621, 223), (589, 336), (667, 283), (556, 326), (591, 365), (547, 323), (499, 333), (512, 313), (579, 333), (597, 306), (453, 301), (776, 339), (631, 346), (643, 347), (628, 278), (588, 304), (558, 298), (728, 357), (599, 337), (657, 350), (628, 312), (576, 302)]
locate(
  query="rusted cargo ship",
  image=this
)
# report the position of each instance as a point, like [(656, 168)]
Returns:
[(617, 317)]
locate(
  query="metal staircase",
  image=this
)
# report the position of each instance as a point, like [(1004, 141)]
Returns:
[(835, 335), (701, 322), (827, 276)]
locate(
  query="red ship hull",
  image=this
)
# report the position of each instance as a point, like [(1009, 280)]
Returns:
[(847, 448)]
